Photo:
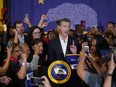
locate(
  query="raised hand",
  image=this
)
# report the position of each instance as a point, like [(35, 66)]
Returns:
[(15, 32), (83, 45), (4, 27), (111, 64), (44, 24), (92, 57), (73, 48), (36, 50), (44, 16), (24, 57), (5, 79), (9, 51), (45, 82), (26, 20)]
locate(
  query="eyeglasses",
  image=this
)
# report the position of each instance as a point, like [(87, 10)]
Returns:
[(17, 51), (36, 32)]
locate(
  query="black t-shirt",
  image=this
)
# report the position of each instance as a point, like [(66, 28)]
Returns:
[(14, 67)]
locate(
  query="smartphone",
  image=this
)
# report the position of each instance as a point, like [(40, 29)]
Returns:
[(114, 52), (86, 50), (36, 81), (106, 58), (105, 55), (26, 15)]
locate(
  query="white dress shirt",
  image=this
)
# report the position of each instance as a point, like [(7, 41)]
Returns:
[(63, 44), (21, 39)]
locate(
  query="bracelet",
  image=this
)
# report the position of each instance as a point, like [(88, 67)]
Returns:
[(81, 59), (24, 64), (16, 35), (108, 74), (82, 51)]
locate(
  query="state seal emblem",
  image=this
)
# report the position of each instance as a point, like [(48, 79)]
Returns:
[(59, 72)]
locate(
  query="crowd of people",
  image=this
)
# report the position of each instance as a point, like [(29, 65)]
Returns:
[(35, 50)]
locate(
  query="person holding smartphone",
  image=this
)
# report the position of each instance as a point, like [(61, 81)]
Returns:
[(40, 81), (111, 67), (46, 82)]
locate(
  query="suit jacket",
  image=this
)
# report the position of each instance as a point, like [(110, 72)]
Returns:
[(55, 51), (26, 39)]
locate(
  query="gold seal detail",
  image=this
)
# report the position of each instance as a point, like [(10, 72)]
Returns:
[(59, 72)]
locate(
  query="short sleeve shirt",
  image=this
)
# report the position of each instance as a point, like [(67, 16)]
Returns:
[(93, 80)]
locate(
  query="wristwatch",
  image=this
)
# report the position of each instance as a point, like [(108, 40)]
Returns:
[(108, 74)]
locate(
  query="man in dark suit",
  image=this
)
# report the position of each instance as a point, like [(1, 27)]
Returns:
[(20, 31), (55, 49), (62, 45)]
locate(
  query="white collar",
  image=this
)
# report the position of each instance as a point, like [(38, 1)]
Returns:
[(62, 39)]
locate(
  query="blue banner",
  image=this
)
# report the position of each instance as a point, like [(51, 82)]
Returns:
[(72, 60), (94, 12)]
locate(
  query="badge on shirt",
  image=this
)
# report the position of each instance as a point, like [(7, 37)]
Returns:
[(59, 72)]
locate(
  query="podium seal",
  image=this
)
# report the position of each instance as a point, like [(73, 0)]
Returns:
[(59, 72)]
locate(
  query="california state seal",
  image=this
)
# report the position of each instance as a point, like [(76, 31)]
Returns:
[(59, 72)]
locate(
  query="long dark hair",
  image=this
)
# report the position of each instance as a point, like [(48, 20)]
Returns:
[(31, 31), (42, 60), (101, 43)]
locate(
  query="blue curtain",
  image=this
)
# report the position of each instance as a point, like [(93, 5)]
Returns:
[(99, 11)]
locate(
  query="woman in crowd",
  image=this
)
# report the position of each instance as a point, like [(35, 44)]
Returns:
[(3, 69), (12, 36), (109, 36), (17, 71), (93, 60), (35, 33), (93, 79), (37, 49)]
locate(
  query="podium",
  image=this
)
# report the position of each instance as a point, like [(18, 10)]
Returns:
[(73, 80)]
